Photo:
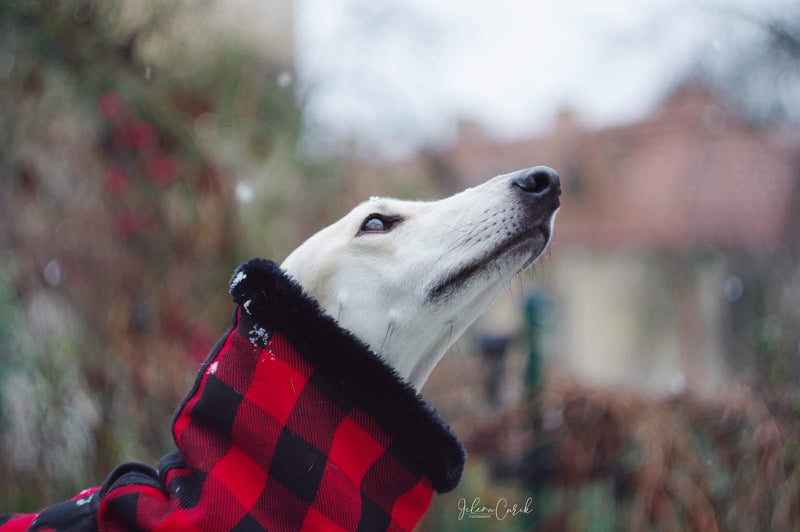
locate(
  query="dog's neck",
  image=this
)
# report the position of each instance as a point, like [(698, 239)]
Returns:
[(411, 344), (409, 340)]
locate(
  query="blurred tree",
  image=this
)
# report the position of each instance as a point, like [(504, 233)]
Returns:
[(762, 74), (763, 70), (133, 177)]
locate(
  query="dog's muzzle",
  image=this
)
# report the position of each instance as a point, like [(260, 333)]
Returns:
[(535, 198)]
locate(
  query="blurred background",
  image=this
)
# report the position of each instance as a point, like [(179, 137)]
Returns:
[(643, 376)]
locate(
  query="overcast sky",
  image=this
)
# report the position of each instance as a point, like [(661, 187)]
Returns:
[(396, 74)]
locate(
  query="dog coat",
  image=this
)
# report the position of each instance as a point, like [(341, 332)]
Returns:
[(292, 424)]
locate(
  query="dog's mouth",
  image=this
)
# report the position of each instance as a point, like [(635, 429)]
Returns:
[(527, 246)]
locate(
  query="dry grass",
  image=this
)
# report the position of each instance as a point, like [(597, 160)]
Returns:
[(678, 463)]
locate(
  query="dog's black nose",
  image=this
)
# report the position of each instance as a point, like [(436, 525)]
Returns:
[(539, 181)]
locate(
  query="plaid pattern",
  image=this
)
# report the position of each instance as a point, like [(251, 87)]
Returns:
[(292, 424)]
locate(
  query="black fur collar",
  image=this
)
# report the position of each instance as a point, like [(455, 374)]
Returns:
[(279, 304)]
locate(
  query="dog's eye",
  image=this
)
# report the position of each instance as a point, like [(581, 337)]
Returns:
[(373, 224), (377, 223)]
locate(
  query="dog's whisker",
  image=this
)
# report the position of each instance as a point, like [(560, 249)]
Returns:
[(462, 229), (460, 242), (456, 345), (465, 228), (509, 288), (499, 273), (449, 252), (474, 229), (466, 249), (387, 338)]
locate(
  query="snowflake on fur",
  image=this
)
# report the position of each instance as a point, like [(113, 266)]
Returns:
[(258, 336)]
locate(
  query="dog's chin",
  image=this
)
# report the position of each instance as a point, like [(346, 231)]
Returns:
[(501, 263)]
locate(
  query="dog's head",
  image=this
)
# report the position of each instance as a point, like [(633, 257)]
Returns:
[(408, 277)]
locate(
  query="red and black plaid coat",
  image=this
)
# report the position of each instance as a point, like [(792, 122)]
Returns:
[(291, 424)]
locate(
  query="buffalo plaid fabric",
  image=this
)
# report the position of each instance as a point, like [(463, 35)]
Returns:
[(292, 424)]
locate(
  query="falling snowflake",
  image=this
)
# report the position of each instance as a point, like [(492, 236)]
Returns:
[(244, 192)]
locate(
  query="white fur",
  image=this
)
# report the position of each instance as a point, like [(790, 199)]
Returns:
[(378, 285)]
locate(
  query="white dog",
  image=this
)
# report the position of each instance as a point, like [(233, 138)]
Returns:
[(293, 423), (408, 277)]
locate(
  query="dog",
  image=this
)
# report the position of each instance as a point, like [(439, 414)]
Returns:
[(306, 415), (409, 277)]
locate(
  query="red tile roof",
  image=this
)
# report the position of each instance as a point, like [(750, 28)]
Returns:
[(692, 173)]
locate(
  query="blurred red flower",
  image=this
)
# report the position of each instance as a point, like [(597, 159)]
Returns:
[(110, 105), (163, 169), (116, 179), (140, 135), (126, 224)]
